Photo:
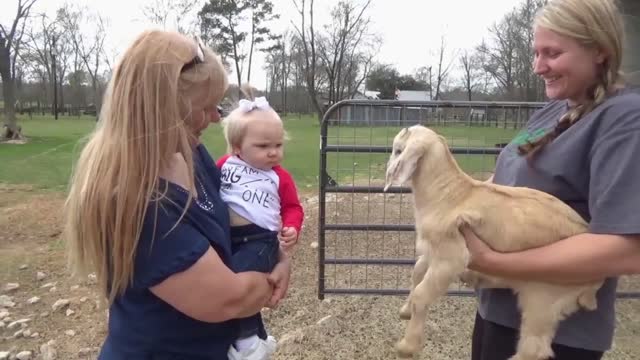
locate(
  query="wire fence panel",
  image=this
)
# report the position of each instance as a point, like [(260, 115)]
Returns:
[(366, 236)]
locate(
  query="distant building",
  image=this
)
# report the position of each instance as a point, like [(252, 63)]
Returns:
[(413, 95), (366, 95)]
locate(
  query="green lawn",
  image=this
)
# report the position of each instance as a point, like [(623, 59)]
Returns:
[(45, 161), (364, 168)]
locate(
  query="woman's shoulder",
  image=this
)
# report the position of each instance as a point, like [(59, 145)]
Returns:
[(626, 98), (549, 113), (620, 111)]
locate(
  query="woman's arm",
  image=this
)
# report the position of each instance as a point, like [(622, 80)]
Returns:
[(209, 291), (578, 259)]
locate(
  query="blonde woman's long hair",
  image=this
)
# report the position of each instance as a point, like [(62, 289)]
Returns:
[(594, 24), (145, 120)]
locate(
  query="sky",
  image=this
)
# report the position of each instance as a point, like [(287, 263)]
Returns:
[(411, 30)]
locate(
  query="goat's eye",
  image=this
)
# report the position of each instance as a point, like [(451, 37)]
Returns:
[(398, 151)]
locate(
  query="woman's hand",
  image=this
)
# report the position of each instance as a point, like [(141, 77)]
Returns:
[(279, 279), (481, 255)]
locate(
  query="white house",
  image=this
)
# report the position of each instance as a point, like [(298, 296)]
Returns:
[(413, 95)]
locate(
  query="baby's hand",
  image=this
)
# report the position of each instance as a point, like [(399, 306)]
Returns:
[(288, 238)]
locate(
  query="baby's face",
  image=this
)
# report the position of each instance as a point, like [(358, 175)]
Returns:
[(262, 146)]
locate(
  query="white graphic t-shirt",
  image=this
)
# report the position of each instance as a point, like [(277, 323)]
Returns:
[(251, 193)]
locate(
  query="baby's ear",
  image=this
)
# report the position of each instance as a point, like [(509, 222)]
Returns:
[(235, 150)]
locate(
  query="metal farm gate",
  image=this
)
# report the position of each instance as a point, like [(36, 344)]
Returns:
[(366, 238)]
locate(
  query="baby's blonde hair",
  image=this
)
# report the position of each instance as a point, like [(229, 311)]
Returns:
[(235, 124), (145, 120)]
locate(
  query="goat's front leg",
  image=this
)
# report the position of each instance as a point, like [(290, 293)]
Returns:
[(435, 284), (419, 269)]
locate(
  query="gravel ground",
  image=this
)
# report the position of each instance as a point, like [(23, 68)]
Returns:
[(338, 327)]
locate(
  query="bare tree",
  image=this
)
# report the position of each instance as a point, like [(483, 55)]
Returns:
[(158, 12), (308, 40), (528, 84), (88, 35), (471, 79), (10, 42), (68, 19), (47, 47), (499, 58), (177, 14), (444, 66), (278, 63), (63, 52), (423, 74), (347, 50), (507, 53)]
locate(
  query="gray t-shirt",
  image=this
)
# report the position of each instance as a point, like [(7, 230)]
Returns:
[(593, 167)]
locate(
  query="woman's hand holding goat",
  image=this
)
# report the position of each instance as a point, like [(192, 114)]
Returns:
[(481, 255)]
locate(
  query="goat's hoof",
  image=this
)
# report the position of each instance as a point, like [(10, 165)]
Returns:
[(517, 357), (405, 313), (525, 357), (405, 350)]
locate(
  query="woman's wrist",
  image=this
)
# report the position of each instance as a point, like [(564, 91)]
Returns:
[(491, 262)]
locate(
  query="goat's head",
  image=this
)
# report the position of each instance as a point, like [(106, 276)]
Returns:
[(409, 145)]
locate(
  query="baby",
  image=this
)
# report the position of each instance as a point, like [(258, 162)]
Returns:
[(264, 208)]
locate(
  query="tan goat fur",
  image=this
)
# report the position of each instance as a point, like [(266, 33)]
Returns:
[(507, 218)]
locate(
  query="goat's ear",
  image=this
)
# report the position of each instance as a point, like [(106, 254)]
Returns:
[(402, 167)]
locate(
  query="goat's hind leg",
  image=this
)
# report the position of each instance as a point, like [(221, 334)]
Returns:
[(542, 311), (434, 285), (419, 270)]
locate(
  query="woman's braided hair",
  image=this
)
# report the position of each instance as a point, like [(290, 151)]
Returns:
[(593, 23)]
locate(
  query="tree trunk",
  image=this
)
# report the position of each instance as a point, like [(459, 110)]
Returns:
[(11, 129), (61, 97), (97, 98), (253, 34)]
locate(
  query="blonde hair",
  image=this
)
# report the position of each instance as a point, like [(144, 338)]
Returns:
[(235, 124), (144, 121), (594, 24)]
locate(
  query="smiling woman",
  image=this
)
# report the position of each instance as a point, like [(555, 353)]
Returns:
[(581, 148), (569, 69)]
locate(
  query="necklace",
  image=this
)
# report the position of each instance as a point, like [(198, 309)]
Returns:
[(205, 204)]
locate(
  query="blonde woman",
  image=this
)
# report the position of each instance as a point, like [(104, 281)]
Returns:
[(582, 147), (144, 211)]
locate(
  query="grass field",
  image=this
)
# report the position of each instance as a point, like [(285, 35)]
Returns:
[(45, 161)]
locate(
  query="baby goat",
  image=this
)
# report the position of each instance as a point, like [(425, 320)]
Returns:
[(507, 218)]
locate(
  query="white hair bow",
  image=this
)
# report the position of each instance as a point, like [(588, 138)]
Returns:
[(259, 103)]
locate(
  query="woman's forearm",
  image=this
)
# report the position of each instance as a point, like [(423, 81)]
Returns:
[(578, 259), (253, 292)]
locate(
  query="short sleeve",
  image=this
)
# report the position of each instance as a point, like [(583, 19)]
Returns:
[(614, 194), (165, 247)]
